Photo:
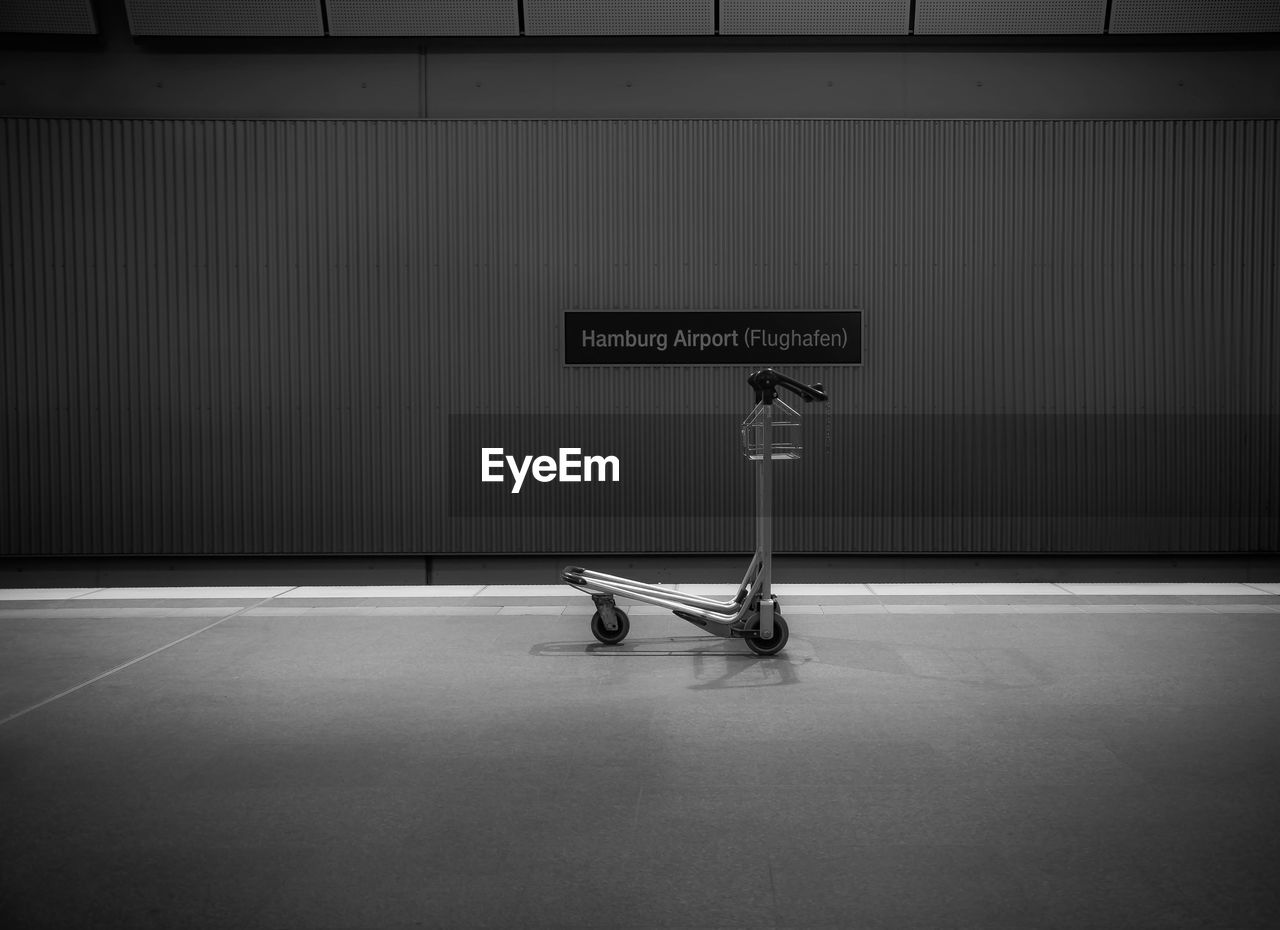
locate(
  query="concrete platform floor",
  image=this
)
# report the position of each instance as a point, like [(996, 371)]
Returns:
[(1044, 756)]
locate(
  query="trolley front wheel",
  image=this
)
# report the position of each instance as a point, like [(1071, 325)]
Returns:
[(773, 645), (607, 636)]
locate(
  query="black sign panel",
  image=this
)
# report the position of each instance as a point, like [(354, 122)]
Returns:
[(713, 337)]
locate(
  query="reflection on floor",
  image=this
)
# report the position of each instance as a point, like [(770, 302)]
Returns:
[(1051, 755)]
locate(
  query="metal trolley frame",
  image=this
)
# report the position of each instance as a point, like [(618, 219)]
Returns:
[(752, 614)]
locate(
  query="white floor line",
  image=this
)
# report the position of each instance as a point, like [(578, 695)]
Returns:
[(526, 590), (204, 592), (966, 589), (123, 666), (873, 589), (1174, 589), (43, 594), (368, 591)]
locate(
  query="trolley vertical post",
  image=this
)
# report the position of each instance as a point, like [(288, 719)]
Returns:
[(764, 521)]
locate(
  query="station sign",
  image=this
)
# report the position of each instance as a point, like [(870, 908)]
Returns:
[(713, 337)]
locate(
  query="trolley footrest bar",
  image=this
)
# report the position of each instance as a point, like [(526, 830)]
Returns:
[(583, 576), (663, 597)]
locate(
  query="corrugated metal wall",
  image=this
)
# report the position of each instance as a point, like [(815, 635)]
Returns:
[(249, 336)]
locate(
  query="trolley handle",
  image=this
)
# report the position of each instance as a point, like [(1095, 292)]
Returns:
[(766, 382)]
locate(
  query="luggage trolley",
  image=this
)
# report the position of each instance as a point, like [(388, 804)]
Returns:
[(753, 613)]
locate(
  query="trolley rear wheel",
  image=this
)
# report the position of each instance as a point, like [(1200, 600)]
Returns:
[(606, 636), (773, 645)]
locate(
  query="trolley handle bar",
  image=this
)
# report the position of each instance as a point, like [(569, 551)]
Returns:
[(766, 382)]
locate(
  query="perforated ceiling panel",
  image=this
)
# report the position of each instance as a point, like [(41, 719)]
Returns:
[(423, 17), (814, 17), (1195, 16), (225, 17), (1010, 17), (619, 17), (63, 17)]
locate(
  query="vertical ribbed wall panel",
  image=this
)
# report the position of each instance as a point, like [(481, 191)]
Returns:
[(248, 337), (1112, 270), (197, 316)]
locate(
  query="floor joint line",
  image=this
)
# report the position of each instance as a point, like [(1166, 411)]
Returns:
[(123, 666)]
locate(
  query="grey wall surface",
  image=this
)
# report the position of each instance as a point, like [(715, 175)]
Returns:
[(1070, 84), (250, 337), (344, 78), (824, 83)]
